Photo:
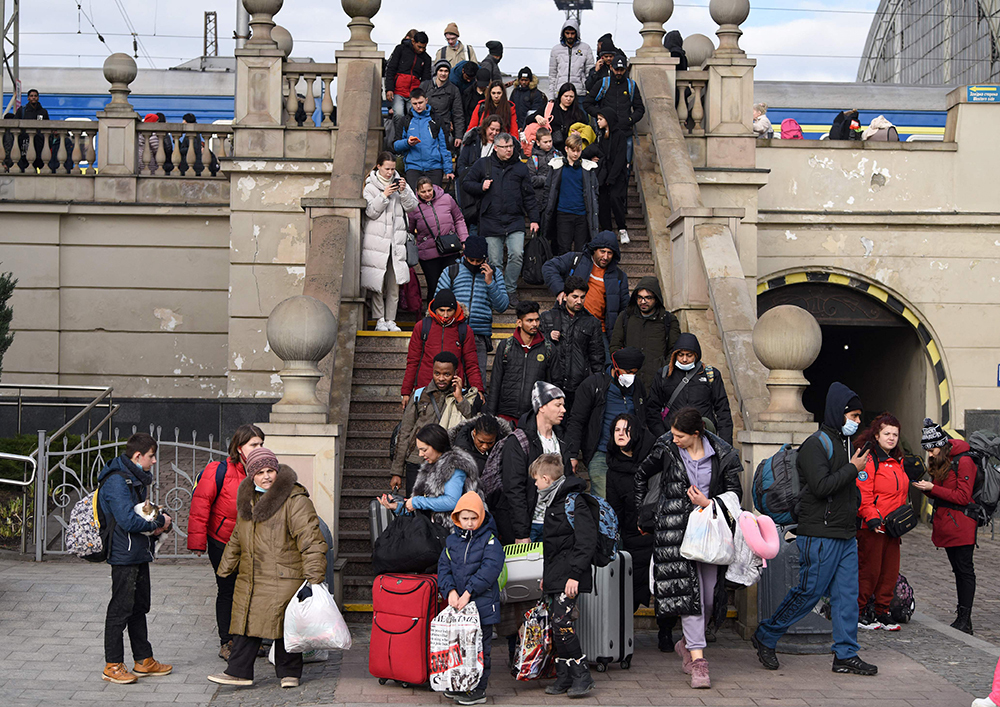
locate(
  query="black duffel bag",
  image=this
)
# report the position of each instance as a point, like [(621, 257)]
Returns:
[(411, 544)]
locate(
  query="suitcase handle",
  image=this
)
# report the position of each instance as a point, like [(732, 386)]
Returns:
[(394, 633), (382, 586)]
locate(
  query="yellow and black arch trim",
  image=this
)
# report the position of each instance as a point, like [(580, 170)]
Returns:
[(894, 304)]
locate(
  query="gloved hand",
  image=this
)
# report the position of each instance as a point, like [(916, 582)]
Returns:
[(874, 523)]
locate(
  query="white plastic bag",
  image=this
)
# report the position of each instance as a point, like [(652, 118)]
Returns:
[(708, 538), (746, 565), (313, 621), (456, 650)]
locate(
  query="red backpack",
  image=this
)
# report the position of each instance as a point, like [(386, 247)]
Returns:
[(791, 130)]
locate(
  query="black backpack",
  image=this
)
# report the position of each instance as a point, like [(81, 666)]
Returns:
[(536, 253)]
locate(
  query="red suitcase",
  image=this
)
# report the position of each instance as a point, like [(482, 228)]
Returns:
[(403, 606)]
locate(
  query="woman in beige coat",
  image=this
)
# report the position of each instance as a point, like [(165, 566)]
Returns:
[(276, 545)]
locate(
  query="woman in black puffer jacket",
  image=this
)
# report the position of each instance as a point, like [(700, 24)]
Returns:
[(677, 586)]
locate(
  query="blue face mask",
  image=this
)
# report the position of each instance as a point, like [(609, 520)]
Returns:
[(686, 366), (849, 428), (258, 488)]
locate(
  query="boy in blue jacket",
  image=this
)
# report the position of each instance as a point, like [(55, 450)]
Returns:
[(469, 570), (423, 146)]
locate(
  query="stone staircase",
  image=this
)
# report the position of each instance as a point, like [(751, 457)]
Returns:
[(379, 363)]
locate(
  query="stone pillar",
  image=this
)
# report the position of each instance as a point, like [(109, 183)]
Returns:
[(302, 331), (653, 14), (787, 340), (729, 102), (259, 131), (117, 151)]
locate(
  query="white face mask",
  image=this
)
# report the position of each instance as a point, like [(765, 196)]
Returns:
[(686, 366), (849, 428), (626, 379)]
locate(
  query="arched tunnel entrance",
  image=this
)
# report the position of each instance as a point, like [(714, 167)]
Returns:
[(867, 346)]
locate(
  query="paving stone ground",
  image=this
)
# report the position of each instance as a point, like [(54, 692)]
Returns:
[(52, 622)]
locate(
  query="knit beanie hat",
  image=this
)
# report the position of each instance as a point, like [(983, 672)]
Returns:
[(442, 63), (525, 73), (483, 77), (452, 28), (932, 435), (444, 298), (259, 459), (475, 247), (853, 404), (495, 48), (544, 393), (628, 358)]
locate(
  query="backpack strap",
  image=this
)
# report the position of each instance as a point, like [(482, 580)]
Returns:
[(827, 443), (220, 477), (463, 330), (522, 437), (425, 331), (605, 82), (453, 273)]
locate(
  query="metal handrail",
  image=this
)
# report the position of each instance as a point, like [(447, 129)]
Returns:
[(24, 459), (105, 393)]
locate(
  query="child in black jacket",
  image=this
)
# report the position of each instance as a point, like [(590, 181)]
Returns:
[(568, 549), (612, 176)]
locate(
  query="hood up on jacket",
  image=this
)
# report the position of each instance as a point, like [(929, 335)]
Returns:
[(837, 398), (673, 41), (653, 285), (570, 23), (470, 502), (605, 239), (465, 428), (611, 116), (685, 342), (271, 501)]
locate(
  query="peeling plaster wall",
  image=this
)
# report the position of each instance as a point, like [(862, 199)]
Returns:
[(925, 223), (122, 296)]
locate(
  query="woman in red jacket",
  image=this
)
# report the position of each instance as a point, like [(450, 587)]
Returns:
[(884, 487), (213, 517), (496, 103), (954, 473)]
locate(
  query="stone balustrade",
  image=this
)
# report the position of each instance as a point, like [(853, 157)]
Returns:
[(182, 149), (691, 89), (33, 147), (293, 75)]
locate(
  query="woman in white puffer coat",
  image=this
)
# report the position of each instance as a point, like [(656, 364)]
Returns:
[(383, 240)]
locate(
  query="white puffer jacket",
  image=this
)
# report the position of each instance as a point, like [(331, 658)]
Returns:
[(384, 234)]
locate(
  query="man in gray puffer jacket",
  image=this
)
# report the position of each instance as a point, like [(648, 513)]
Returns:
[(570, 60)]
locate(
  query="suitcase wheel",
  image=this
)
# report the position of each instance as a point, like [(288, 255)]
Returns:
[(404, 684), (382, 681), (626, 664), (602, 667)]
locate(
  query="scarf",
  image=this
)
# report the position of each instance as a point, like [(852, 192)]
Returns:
[(545, 497), (383, 182)]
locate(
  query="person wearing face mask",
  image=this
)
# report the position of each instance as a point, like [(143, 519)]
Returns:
[(599, 399), (480, 288), (520, 361), (688, 382), (696, 466), (276, 546), (213, 517), (455, 52), (827, 542)]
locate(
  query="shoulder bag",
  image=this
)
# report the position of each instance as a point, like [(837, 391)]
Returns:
[(446, 243)]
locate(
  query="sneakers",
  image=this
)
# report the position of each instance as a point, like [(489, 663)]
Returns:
[(854, 665), (623, 237), (699, 675), (392, 326), (767, 657), (869, 623), (289, 682), (118, 674), (382, 325), (984, 702), (151, 668), (225, 650), (476, 697), (225, 679), (685, 655), (886, 623)]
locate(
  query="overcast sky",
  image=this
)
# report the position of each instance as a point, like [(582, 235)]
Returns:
[(818, 40)]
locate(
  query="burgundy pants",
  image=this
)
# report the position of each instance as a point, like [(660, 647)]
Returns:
[(878, 569)]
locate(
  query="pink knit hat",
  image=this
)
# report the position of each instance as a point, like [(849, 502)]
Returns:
[(259, 459)]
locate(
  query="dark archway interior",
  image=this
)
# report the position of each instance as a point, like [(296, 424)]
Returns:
[(867, 347)]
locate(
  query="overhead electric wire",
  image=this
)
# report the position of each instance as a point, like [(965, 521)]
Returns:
[(137, 44), (83, 12)]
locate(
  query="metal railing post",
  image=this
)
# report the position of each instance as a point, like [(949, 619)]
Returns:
[(41, 488)]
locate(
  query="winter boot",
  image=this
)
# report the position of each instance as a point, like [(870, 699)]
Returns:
[(665, 634), (563, 679), (580, 674), (964, 621)]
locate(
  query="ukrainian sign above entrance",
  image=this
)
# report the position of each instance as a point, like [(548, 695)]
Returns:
[(984, 94)]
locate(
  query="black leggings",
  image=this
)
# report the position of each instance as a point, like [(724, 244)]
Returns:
[(965, 573), (432, 272), (610, 202), (225, 586)]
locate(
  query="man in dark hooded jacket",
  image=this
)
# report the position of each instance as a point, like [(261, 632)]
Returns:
[(674, 43), (620, 93), (686, 381), (827, 542), (478, 436), (445, 100), (576, 335), (519, 362), (527, 99), (492, 61), (647, 325), (598, 265), (606, 52)]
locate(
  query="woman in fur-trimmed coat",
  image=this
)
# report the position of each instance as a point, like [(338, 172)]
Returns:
[(276, 545), (446, 474)]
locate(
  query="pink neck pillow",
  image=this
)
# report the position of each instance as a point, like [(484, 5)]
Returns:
[(761, 535)]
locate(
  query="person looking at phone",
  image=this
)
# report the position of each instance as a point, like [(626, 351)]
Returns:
[(441, 402), (480, 288), (828, 546), (423, 143)]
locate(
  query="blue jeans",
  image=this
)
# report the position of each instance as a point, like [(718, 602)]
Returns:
[(827, 566), (515, 256), (537, 532), (400, 107), (598, 470)]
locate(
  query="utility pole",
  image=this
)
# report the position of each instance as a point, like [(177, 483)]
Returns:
[(10, 48), (574, 8), (211, 46), (242, 33)]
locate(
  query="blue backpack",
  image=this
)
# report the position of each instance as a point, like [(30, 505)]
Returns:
[(608, 537), (606, 84), (776, 485)]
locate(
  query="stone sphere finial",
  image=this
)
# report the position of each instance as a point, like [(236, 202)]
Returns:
[(729, 15), (787, 339), (653, 14), (301, 331), (361, 13), (120, 70), (699, 49), (262, 14), (284, 40)]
